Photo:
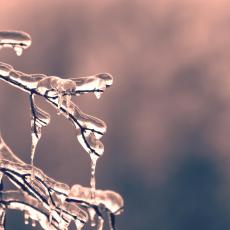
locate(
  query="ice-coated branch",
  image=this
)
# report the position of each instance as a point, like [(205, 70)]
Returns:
[(57, 202), (42, 199), (17, 40), (58, 93), (48, 193)]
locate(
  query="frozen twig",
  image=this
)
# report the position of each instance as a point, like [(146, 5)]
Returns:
[(44, 200)]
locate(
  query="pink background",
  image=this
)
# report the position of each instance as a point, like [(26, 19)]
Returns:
[(167, 148)]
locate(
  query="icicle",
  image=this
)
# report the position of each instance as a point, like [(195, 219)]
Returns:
[(34, 144), (39, 119), (92, 214), (93, 171)]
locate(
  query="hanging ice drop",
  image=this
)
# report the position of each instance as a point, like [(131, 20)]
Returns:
[(18, 50)]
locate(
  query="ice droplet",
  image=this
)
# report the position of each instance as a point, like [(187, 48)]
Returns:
[(95, 83), (18, 50)]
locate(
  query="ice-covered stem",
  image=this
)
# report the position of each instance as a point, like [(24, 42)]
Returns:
[(51, 203), (89, 129), (57, 198), (49, 194)]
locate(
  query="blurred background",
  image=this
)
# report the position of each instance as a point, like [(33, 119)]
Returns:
[(167, 148)]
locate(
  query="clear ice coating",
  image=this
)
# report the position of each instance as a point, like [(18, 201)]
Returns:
[(43, 200), (17, 40), (37, 199), (110, 200), (39, 119)]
